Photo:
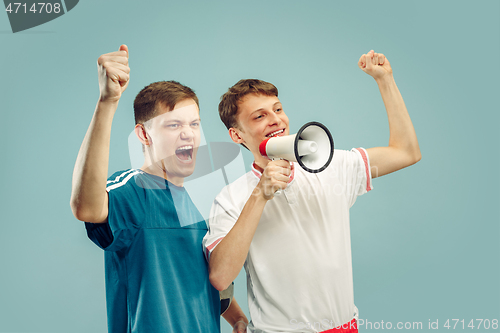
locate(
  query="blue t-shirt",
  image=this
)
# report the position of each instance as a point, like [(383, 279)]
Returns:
[(156, 273)]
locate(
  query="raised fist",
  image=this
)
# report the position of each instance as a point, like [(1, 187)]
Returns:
[(375, 64), (113, 74)]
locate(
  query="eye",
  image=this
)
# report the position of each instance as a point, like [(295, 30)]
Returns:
[(278, 110), (259, 116), (172, 126), (195, 124)]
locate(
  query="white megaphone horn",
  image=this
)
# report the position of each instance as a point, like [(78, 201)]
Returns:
[(312, 147)]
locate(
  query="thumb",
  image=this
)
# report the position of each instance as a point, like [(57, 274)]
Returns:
[(124, 47)]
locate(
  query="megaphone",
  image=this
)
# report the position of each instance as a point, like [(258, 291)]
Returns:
[(312, 147)]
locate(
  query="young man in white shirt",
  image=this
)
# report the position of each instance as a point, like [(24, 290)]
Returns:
[(296, 247)]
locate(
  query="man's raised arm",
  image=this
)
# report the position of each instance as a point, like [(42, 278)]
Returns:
[(403, 149), (89, 199)]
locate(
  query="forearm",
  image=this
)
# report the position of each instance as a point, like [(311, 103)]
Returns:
[(234, 314), (88, 196), (402, 134), (228, 257)]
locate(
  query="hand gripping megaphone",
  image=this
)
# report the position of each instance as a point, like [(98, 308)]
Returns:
[(311, 147)]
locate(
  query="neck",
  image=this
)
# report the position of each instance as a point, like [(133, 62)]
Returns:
[(158, 171)]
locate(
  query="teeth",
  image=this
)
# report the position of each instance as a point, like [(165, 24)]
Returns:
[(276, 132), (185, 152)]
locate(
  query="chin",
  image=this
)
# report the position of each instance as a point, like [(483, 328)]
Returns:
[(186, 171)]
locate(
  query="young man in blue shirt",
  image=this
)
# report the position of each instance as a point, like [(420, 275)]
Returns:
[(156, 274)]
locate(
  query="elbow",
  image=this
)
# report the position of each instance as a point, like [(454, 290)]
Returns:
[(81, 213), (411, 156), (218, 281), (416, 156), (76, 209)]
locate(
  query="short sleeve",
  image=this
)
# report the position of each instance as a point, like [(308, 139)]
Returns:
[(223, 216), (356, 174), (126, 213), (100, 234)]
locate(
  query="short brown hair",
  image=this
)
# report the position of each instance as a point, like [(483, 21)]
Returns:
[(228, 106), (168, 93)]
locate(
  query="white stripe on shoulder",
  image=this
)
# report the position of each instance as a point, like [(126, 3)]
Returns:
[(123, 181), (123, 174)]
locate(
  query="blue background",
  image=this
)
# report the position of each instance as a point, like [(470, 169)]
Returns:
[(425, 241)]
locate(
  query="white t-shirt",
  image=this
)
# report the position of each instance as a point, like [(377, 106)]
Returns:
[(299, 266)]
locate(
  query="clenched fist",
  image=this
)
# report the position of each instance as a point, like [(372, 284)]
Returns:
[(375, 64), (113, 74), (275, 177)]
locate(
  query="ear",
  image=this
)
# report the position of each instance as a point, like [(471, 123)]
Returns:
[(234, 133), (140, 131)]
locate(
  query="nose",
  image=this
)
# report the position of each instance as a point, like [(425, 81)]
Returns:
[(187, 133), (274, 119)]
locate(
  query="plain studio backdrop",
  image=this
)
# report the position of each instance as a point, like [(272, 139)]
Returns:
[(425, 241)]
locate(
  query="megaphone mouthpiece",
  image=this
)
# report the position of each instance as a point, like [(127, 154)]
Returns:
[(306, 147)]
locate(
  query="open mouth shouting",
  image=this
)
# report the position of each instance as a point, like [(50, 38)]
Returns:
[(276, 133), (185, 153)]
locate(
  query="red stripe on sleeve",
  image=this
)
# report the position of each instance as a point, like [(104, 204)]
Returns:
[(211, 246), (365, 159)]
